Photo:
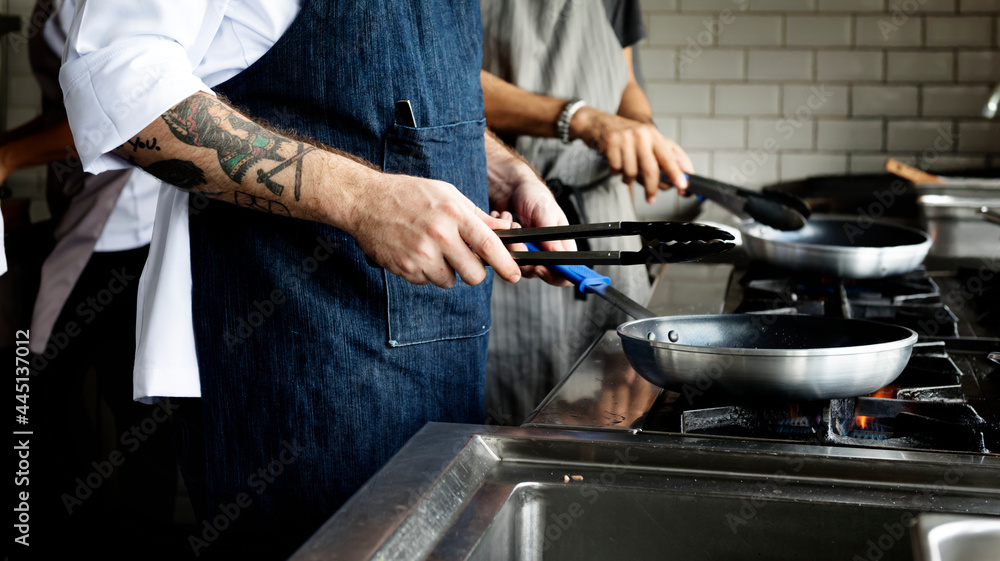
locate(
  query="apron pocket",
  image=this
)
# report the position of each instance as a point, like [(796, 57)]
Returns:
[(421, 314)]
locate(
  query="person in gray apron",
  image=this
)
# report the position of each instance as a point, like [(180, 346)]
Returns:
[(561, 50)]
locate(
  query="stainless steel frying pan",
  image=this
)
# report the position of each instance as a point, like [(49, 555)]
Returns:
[(770, 356), (840, 247), (773, 356)]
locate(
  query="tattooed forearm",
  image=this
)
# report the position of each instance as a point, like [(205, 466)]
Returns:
[(259, 203), (181, 173), (205, 147), (239, 143)]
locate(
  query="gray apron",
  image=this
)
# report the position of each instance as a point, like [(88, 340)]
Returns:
[(80, 202), (565, 49)]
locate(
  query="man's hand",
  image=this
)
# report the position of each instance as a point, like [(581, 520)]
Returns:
[(426, 231), (635, 150), (532, 205), (519, 195)]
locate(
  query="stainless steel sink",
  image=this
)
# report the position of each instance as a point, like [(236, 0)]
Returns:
[(460, 492), (947, 537), (551, 522)]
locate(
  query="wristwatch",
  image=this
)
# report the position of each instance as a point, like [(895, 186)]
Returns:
[(562, 125)]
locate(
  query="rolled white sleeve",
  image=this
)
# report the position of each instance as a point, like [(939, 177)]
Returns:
[(126, 63)]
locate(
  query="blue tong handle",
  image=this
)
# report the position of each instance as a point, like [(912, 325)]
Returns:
[(588, 280), (585, 278)]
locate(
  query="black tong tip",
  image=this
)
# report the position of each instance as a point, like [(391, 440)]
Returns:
[(655, 232), (676, 252), (665, 242), (777, 209)]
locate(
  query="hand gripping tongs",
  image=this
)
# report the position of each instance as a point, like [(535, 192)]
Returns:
[(664, 242)]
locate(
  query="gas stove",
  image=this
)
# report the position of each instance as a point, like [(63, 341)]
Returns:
[(947, 399)]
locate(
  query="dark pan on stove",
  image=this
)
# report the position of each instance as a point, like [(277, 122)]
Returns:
[(839, 247)]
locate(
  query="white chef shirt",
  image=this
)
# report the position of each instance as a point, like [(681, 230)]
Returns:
[(125, 64), (130, 224)]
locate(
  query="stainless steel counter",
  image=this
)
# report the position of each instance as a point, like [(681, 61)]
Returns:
[(463, 492)]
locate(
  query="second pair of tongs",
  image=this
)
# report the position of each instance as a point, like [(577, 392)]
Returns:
[(664, 242), (777, 209)]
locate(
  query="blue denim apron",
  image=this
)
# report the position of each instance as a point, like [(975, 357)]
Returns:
[(301, 344)]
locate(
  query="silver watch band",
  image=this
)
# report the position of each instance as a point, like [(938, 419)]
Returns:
[(562, 125)]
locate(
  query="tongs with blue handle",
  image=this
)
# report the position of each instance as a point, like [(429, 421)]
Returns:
[(590, 281), (665, 242), (777, 209)]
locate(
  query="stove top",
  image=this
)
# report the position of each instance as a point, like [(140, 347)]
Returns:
[(947, 398)]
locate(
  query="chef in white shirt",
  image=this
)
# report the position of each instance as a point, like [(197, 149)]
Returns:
[(339, 362)]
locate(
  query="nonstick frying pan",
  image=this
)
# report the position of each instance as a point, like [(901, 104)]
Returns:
[(758, 355), (839, 247)]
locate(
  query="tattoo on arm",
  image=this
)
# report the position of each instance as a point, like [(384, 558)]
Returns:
[(239, 143), (138, 143), (259, 203), (182, 173)]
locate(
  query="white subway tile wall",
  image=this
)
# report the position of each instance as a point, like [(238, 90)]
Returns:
[(920, 66), (746, 99), (821, 31), (769, 65), (877, 101), (921, 135), (791, 89), (849, 135), (713, 65)]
